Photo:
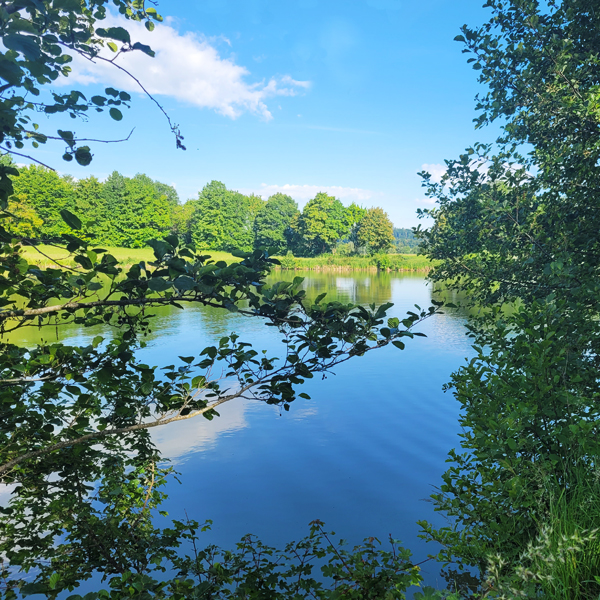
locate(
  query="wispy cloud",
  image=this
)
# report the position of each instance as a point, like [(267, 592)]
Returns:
[(303, 193), (187, 67), (437, 171)]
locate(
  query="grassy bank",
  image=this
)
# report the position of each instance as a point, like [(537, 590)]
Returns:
[(332, 262), (326, 262), (126, 256)]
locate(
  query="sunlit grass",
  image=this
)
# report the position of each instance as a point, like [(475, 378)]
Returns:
[(126, 256), (563, 562), (333, 262), (44, 256)]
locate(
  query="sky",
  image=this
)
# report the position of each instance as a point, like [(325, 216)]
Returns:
[(350, 97)]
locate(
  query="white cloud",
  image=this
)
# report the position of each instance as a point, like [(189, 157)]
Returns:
[(429, 201), (437, 171), (187, 67), (303, 193)]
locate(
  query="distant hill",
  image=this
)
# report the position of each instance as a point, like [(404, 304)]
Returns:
[(405, 241)]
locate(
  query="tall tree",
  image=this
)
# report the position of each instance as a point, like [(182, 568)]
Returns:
[(90, 201), (273, 222), (321, 224), (46, 193), (182, 220), (224, 219), (375, 231), (136, 209), (354, 215)]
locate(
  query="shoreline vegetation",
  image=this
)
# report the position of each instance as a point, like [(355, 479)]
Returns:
[(413, 263)]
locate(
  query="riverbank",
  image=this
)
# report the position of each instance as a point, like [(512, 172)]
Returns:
[(382, 262), (414, 263)]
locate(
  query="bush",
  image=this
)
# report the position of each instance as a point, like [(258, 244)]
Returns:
[(288, 262)]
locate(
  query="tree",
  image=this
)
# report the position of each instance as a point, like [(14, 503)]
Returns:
[(516, 223), (134, 210), (375, 231), (321, 224), (89, 201), (405, 240), (46, 193), (273, 222), (224, 219), (182, 220)]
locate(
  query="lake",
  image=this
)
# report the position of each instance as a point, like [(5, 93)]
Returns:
[(362, 455)]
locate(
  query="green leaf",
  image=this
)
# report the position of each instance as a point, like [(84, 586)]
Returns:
[(24, 44), (116, 114), (159, 284), (320, 297), (144, 48), (54, 579), (83, 156), (67, 5), (70, 219), (184, 283), (116, 33), (10, 71)]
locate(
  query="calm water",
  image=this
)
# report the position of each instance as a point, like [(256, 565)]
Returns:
[(361, 455)]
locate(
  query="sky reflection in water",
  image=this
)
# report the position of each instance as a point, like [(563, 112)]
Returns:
[(361, 455)]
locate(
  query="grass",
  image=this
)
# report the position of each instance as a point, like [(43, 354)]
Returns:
[(563, 563), (332, 262), (326, 262), (126, 256)]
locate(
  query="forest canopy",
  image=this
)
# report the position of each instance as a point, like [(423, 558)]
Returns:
[(130, 211)]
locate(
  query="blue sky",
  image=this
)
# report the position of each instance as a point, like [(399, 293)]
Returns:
[(348, 97)]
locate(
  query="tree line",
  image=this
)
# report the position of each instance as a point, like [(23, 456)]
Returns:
[(130, 211)]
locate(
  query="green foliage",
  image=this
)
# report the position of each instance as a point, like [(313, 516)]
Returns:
[(321, 224), (405, 241), (224, 219), (341, 262), (273, 222), (137, 210), (375, 231), (122, 211), (182, 220), (530, 422), (44, 193), (521, 228), (354, 216), (562, 562)]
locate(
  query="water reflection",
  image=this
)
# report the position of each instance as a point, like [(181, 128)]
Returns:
[(181, 439), (361, 455)]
